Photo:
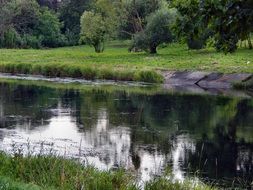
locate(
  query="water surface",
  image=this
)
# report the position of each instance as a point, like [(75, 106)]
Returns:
[(142, 130)]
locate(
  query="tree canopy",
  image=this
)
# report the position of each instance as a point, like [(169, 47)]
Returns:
[(148, 23)]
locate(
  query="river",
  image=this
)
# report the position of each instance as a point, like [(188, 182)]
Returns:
[(141, 129)]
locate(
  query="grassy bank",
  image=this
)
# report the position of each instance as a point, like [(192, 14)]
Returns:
[(9, 184), (56, 173), (118, 64)]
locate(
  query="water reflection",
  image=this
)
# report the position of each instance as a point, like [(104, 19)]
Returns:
[(143, 133)]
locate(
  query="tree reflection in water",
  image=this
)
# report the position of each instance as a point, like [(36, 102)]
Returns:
[(142, 132)]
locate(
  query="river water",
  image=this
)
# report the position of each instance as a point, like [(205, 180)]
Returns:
[(141, 129)]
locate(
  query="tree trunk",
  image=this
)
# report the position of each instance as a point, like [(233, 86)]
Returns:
[(153, 49), (249, 42), (99, 47)]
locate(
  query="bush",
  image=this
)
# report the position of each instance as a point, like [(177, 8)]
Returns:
[(11, 38), (29, 41)]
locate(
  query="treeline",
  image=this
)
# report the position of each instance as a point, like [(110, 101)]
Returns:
[(148, 23)]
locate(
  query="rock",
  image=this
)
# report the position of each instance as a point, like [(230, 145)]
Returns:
[(181, 78), (205, 80), (221, 81)]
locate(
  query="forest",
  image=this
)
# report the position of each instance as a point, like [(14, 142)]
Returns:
[(148, 24)]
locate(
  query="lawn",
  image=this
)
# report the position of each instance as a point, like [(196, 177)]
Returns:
[(116, 59)]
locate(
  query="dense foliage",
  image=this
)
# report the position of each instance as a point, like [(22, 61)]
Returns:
[(156, 32), (53, 23)]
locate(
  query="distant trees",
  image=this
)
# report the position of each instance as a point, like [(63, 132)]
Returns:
[(48, 29), (70, 14), (51, 4), (5, 21), (148, 23), (27, 25)]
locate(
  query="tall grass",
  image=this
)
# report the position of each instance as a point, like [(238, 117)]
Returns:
[(50, 172), (8, 184), (83, 71)]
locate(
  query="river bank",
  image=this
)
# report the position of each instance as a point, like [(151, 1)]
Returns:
[(117, 64), (49, 172), (172, 85)]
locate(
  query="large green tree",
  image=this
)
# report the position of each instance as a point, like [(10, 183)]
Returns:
[(26, 15), (93, 30), (191, 26), (232, 21), (157, 30), (135, 14), (100, 24)]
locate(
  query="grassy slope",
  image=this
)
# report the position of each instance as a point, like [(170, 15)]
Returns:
[(116, 56)]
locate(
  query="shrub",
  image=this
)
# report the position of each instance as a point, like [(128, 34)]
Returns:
[(30, 41), (11, 38)]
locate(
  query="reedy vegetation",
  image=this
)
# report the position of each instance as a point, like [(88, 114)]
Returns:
[(50, 172)]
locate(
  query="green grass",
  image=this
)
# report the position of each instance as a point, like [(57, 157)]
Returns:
[(9, 184), (40, 172), (118, 64)]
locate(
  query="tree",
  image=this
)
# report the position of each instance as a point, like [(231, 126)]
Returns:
[(157, 31), (134, 14), (231, 21), (100, 24), (51, 4), (70, 14), (93, 30), (26, 15), (191, 25), (6, 15), (48, 28), (27, 25), (18, 18)]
